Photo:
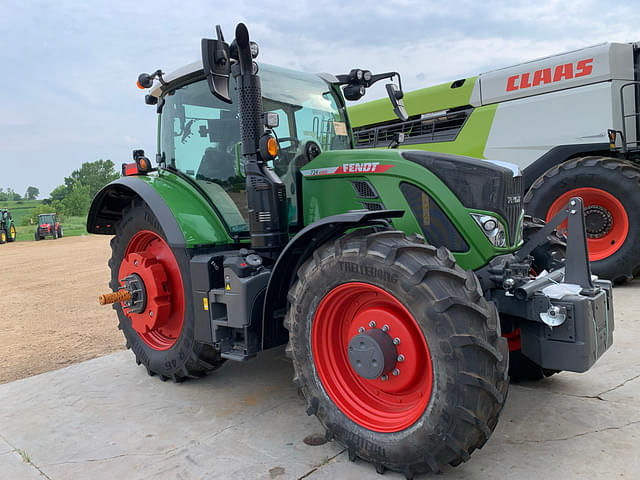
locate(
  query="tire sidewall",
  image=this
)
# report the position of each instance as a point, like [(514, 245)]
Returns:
[(625, 190), (400, 447), (163, 362)]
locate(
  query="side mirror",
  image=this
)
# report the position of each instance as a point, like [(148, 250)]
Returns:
[(395, 95), (217, 65)]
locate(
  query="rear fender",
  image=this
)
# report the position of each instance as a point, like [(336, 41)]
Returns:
[(186, 218)]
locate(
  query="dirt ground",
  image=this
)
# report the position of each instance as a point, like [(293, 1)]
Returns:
[(50, 316)]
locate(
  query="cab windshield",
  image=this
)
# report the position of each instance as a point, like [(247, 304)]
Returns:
[(200, 135)]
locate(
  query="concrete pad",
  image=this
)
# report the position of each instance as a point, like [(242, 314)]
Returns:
[(106, 418)]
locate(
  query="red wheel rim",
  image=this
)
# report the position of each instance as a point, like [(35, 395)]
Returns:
[(606, 242), (149, 256), (378, 405)]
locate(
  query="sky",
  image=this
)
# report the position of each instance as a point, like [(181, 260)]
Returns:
[(68, 68)]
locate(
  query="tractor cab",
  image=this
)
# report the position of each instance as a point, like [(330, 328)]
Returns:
[(200, 135)]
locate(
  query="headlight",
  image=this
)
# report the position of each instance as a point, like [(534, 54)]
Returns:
[(492, 228)]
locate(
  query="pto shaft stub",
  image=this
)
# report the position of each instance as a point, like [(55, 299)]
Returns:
[(119, 296)]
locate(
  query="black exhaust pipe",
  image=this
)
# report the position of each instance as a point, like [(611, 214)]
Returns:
[(266, 194)]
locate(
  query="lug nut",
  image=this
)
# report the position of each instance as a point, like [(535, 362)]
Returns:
[(401, 358), (395, 372), (396, 341), (361, 330), (385, 328), (372, 324), (384, 377)]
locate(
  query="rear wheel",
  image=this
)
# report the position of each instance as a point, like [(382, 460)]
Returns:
[(60, 232), (12, 233), (396, 351), (162, 335), (610, 189)]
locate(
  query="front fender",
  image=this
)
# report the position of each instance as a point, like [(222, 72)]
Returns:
[(296, 253)]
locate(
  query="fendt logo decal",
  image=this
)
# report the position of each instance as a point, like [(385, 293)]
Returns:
[(365, 167), (543, 76)]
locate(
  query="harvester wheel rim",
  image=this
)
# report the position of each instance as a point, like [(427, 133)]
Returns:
[(391, 402), (606, 240), (166, 329)]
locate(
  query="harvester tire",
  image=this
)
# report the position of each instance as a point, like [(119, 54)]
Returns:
[(447, 388), (610, 189), (548, 256), (170, 349), (12, 233)]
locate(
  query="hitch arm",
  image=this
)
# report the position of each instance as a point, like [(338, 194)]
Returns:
[(577, 268)]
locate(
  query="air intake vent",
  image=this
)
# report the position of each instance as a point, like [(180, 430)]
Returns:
[(438, 127), (373, 206), (364, 189)]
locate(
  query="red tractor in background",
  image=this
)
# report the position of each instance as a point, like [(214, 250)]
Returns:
[(48, 224)]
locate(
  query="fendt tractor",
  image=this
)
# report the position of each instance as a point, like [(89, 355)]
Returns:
[(48, 225), (389, 274), (570, 121), (7, 227)]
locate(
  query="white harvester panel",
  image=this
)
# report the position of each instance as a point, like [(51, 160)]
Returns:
[(599, 63)]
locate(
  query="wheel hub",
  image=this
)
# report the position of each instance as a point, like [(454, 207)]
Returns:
[(598, 221), (372, 353), (146, 280)]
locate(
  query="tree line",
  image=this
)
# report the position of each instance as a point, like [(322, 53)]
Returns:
[(11, 195), (73, 197)]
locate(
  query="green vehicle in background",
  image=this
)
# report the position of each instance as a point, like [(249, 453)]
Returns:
[(7, 226), (390, 275)]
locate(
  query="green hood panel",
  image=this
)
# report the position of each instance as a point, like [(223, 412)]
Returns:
[(328, 189)]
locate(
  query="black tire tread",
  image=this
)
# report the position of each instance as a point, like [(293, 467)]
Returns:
[(617, 167), (202, 359), (479, 332)]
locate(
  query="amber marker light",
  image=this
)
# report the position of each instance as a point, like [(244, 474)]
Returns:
[(272, 147)]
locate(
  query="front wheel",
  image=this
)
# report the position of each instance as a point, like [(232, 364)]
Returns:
[(37, 237), (396, 351), (3, 236), (60, 232), (161, 332)]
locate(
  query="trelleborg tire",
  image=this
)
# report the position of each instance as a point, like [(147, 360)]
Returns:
[(610, 189), (451, 382), (166, 344)]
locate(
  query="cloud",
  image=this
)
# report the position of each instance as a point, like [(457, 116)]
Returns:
[(69, 67)]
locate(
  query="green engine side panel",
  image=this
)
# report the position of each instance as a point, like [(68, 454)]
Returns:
[(417, 102), (199, 223), (328, 190)]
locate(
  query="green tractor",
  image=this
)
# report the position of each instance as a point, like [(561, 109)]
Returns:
[(7, 227), (392, 276), (48, 225)]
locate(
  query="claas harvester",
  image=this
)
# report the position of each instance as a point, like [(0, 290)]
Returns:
[(401, 282)]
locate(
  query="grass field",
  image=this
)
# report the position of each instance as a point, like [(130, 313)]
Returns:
[(72, 226)]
